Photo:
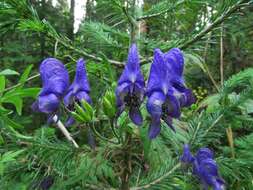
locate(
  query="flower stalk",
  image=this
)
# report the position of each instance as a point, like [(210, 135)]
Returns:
[(64, 131)]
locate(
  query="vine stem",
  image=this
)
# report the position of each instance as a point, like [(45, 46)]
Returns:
[(64, 130)]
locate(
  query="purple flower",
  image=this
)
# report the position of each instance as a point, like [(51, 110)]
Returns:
[(175, 62), (204, 167), (187, 156), (166, 90), (78, 90), (80, 87), (130, 88), (55, 81)]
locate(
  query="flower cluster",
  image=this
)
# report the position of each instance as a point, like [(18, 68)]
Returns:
[(55, 87), (166, 92), (204, 167), (165, 89)]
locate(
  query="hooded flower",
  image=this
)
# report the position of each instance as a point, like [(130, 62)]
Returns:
[(78, 90), (130, 88), (80, 87), (175, 62), (55, 81), (204, 167), (166, 90), (187, 157)]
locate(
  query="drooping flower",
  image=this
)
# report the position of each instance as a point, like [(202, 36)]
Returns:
[(55, 81), (130, 88), (204, 167), (78, 90), (166, 90)]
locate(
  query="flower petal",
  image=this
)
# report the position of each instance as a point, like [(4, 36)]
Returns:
[(168, 121), (70, 121), (175, 59), (173, 107), (55, 78), (83, 95), (208, 170), (68, 98), (48, 103), (135, 116), (158, 76), (132, 72), (187, 157), (81, 82), (154, 128), (154, 107), (204, 153)]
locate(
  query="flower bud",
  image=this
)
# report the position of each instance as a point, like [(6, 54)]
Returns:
[(84, 113), (109, 106)]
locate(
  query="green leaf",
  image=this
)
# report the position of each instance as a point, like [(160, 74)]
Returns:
[(17, 102), (13, 125), (7, 158), (2, 83), (22, 93), (25, 75), (8, 72), (83, 114), (1, 140)]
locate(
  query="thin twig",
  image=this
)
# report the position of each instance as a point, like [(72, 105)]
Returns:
[(206, 66), (218, 21), (208, 28), (64, 130), (221, 57)]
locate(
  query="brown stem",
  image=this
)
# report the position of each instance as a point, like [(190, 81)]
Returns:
[(221, 57)]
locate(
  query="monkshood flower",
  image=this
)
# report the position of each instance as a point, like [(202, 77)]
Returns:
[(130, 88), (175, 63), (78, 90), (204, 167), (55, 81), (166, 90)]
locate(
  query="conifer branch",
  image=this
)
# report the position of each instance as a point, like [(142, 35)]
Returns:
[(210, 27), (160, 13), (158, 180), (217, 22)]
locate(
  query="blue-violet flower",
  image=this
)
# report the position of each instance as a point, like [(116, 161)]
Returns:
[(130, 88), (55, 81), (204, 167), (166, 90), (78, 90)]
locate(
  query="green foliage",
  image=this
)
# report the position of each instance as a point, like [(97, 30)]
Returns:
[(32, 151)]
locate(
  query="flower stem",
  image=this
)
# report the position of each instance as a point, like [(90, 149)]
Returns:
[(64, 131)]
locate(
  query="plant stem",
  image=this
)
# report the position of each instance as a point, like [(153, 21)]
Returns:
[(127, 162), (64, 130), (231, 141), (221, 57)]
